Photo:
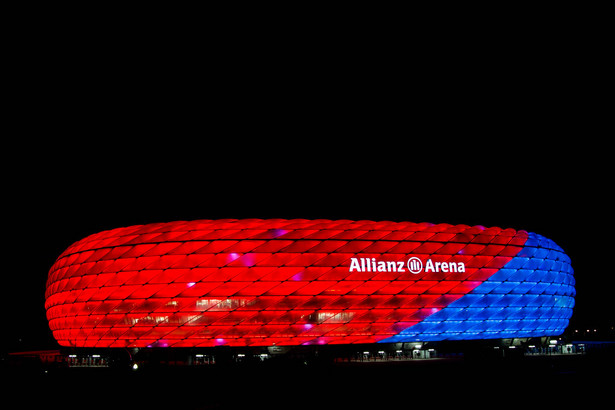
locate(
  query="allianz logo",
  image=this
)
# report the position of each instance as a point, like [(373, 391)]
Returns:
[(413, 265)]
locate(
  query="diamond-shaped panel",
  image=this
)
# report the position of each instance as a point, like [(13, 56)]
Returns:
[(290, 282)]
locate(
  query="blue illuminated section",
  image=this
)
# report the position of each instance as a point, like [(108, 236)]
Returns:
[(531, 296)]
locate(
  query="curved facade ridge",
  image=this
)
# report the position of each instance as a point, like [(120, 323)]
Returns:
[(256, 282)]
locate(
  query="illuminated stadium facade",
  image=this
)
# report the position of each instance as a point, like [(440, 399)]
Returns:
[(299, 282)]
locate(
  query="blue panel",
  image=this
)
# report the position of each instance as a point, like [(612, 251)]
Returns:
[(505, 287), (467, 300), (532, 241), (502, 275), (463, 314), (519, 275), (553, 255), (497, 314), (538, 288), (486, 313), (527, 252), (532, 264), (546, 264), (516, 263), (531, 296), (524, 287)]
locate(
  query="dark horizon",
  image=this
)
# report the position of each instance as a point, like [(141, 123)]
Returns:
[(547, 193)]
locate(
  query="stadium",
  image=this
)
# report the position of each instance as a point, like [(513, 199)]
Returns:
[(279, 283)]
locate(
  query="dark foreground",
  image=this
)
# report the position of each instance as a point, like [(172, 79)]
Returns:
[(539, 381)]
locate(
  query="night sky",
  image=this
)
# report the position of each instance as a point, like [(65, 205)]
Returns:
[(99, 136), (62, 191)]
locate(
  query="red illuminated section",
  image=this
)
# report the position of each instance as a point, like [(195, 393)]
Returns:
[(265, 282)]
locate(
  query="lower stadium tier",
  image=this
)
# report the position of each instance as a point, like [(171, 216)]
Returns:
[(256, 282)]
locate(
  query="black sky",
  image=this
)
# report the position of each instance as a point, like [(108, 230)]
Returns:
[(100, 140), (551, 190)]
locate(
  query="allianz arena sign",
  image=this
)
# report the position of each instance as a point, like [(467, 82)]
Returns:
[(415, 265)]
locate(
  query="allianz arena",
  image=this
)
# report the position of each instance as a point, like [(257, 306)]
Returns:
[(279, 282)]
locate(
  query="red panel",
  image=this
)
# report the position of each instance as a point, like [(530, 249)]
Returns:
[(286, 288), (263, 282), (257, 288), (369, 287), (442, 287)]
